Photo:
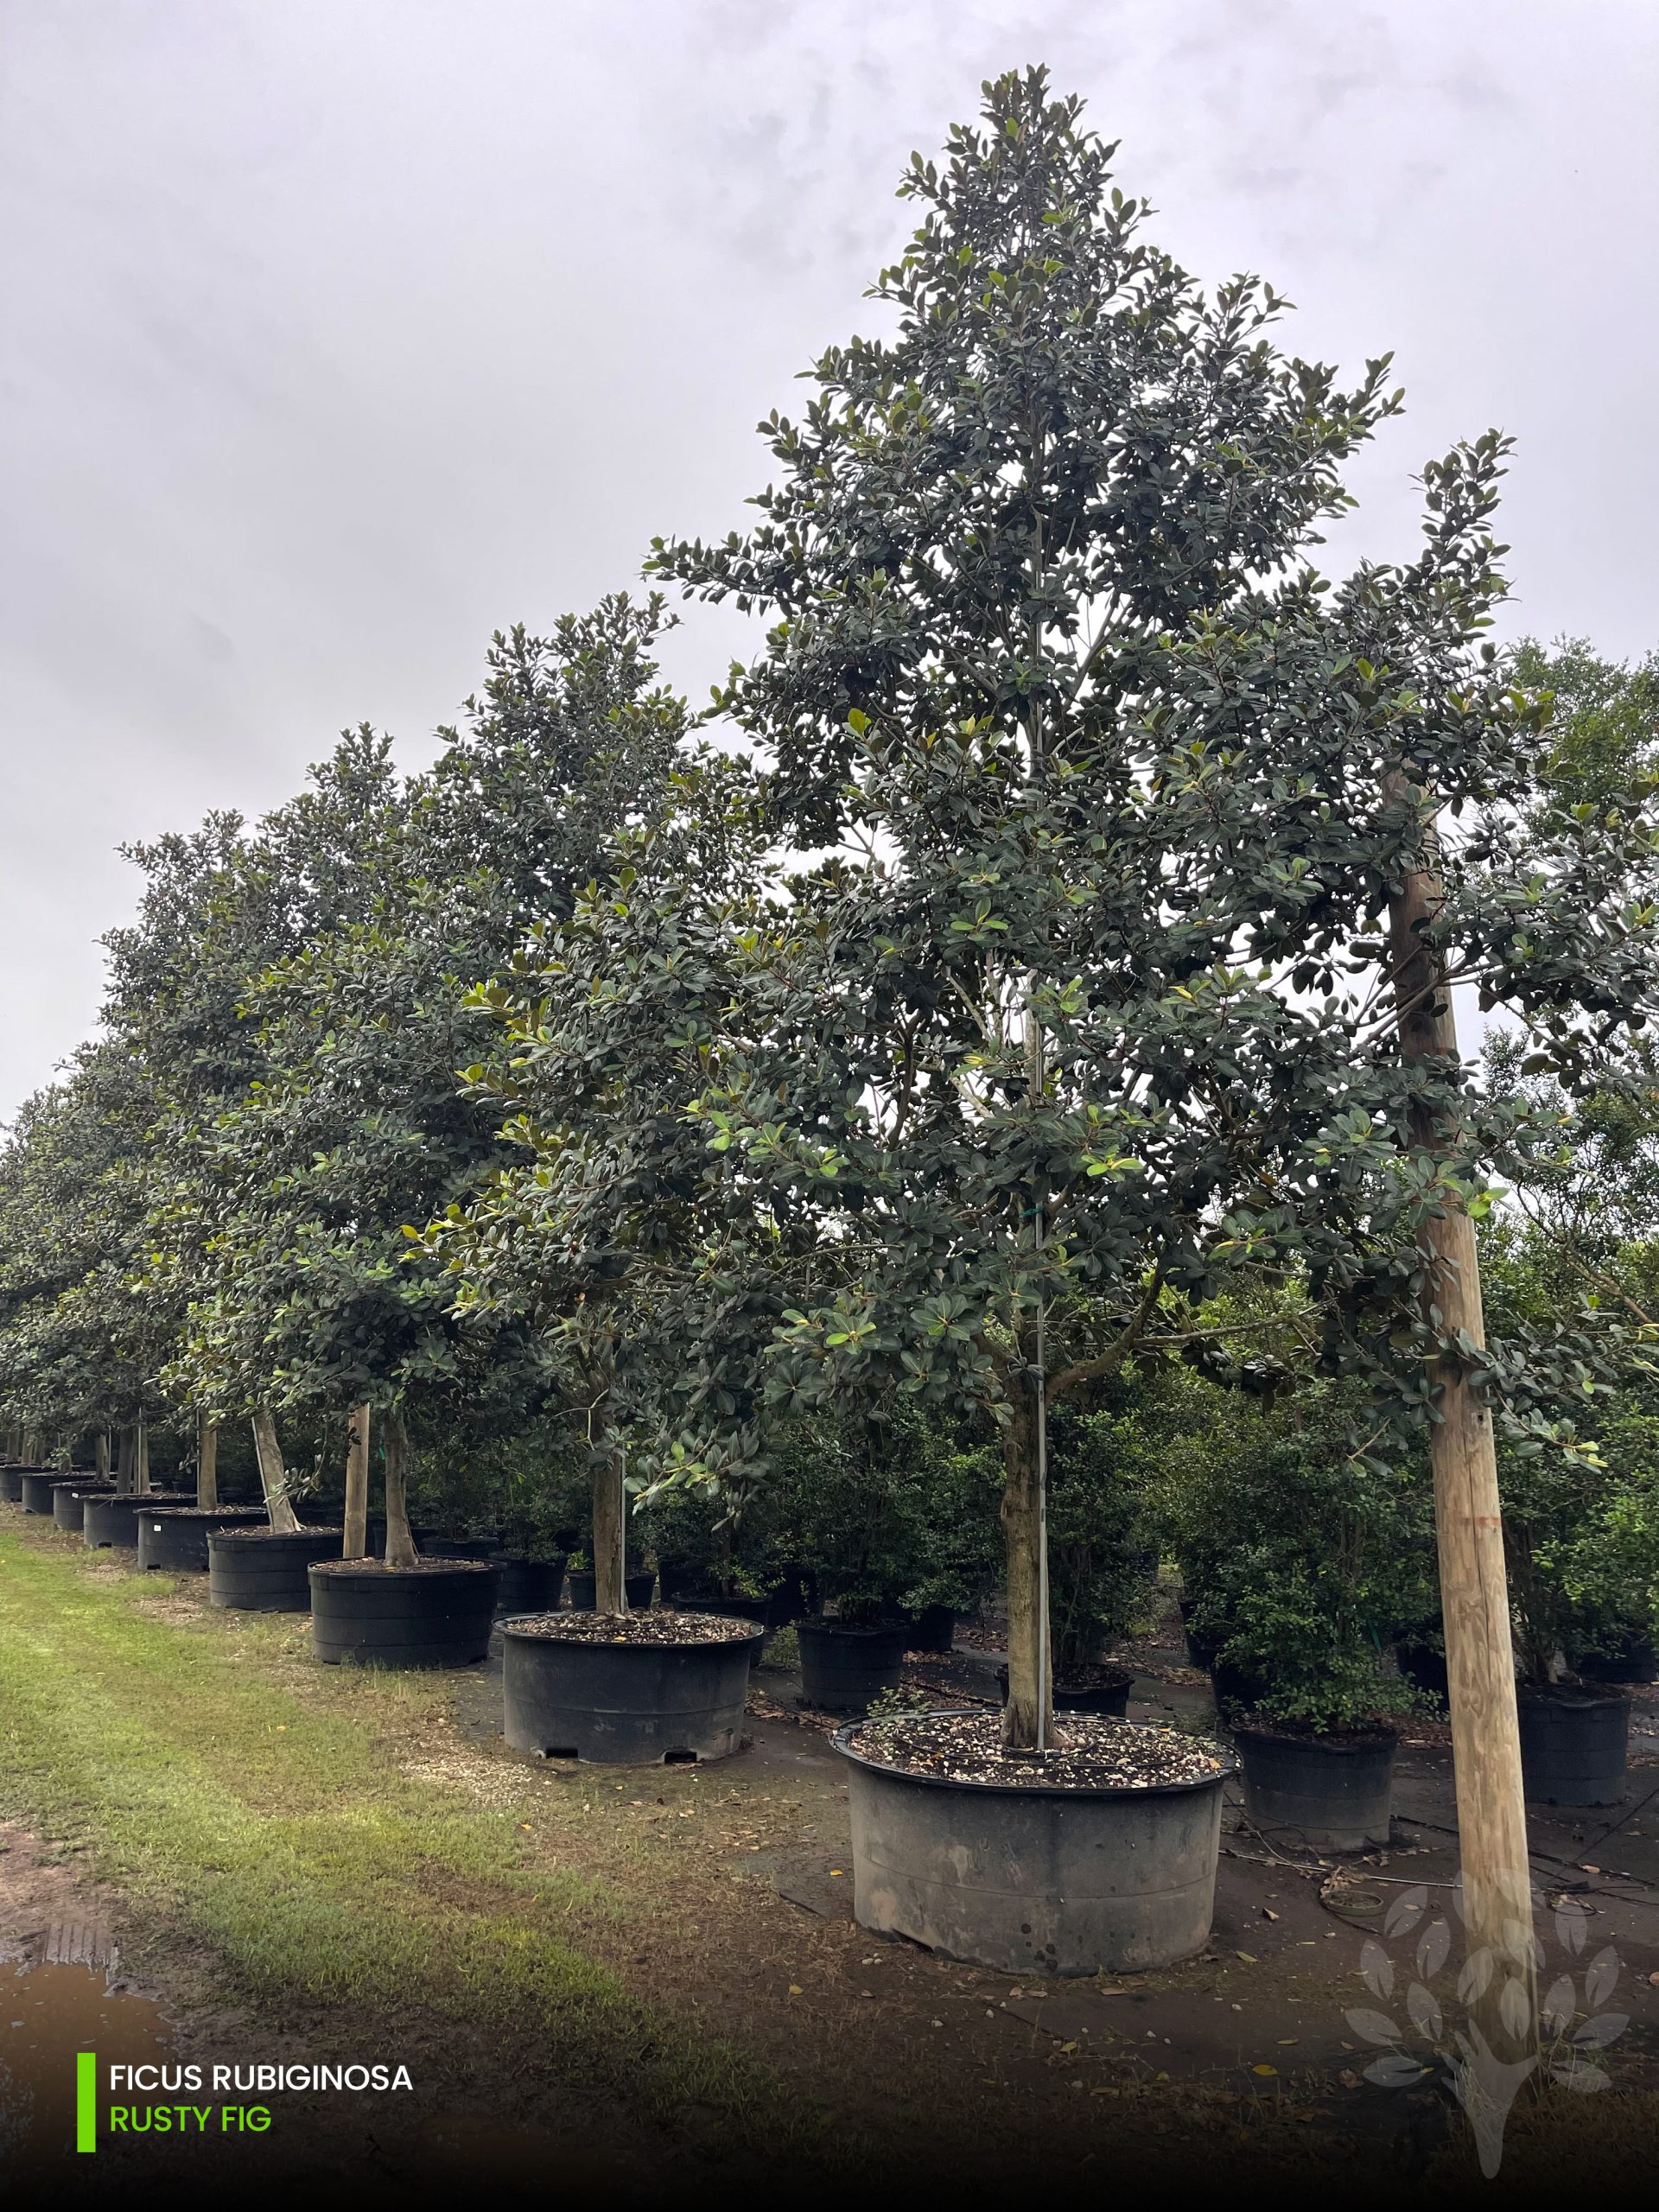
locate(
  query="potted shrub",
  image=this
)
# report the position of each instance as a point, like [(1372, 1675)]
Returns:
[(1307, 1550)]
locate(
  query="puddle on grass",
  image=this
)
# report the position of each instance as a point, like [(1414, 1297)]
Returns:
[(48, 2015)]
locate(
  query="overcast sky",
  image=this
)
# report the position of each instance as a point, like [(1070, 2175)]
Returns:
[(338, 333)]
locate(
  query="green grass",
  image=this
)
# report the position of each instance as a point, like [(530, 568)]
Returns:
[(278, 1832)]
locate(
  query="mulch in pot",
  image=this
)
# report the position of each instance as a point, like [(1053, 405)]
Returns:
[(634, 1628), (427, 1566), (1088, 1752)]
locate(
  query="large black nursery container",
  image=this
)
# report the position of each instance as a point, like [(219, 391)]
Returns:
[(174, 1537), (107, 1522), (69, 1501), (638, 1588), (11, 1485), (1574, 1742), (1033, 1879), (843, 1669), (40, 1483), (1335, 1792), (1107, 1695), (624, 1703), (437, 1613), (527, 1586), (266, 1570)]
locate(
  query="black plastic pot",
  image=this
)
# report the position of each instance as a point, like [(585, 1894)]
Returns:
[(11, 1485), (437, 1614), (1334, 1791), (843, 1668), (1425, 1669), (1634, 1662), (114, 1520), (638, 1588), (1200, 1650), (173, 1538), (69, 1501), (38, 1485), (796, 1598), (1573, 1744), (432, 1543), (1034, 1880), (688, 1599), (624, 1703), (1110, 1697), (528, 1586), (260, 1571), (933, 1628), (1235, 1689)]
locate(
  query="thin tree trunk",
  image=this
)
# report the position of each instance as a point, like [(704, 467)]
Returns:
[(356, 1544), (124, 1455), (141, 1461), (1469, 1528), (273, 1477), (400, 1544), (206, 1460), (1030, 1678), (610, 1530), (101, 1454)]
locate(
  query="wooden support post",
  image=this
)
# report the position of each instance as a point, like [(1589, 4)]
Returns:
[(1469, 1526), (206, 1460), (356, 1545)]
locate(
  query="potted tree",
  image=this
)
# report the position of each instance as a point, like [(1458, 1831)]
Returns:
[(1079, 1018), (1307, 1550)]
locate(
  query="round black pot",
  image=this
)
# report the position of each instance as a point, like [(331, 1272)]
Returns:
[(1635, 1662), (69, 1501), (1110, 1697), (436, 1615), (11, 1485), (638, 1587), (39, 1484), (432, 1543), (1335, 1791), (933, 1628), (114, 1520), (1425, 1669), (843, 1668), (624, 1704), (796, 1598), (1200, 1650), (528, 1586), (1235, 1689), (260, 1571), (1573, 1744), (687, 1599), (1034, 1880), (174, 1537)]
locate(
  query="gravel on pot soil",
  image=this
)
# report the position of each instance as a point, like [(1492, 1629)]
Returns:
[(1089, 1752), (634, 1628), (305, 1528), (197, 1512), (420, 1566)]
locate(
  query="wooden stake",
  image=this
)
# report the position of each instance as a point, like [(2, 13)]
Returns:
[(206, 1460), (1469, 1526), (356, 1545)]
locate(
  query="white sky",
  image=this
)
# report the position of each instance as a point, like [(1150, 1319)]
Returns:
[(339, 333)]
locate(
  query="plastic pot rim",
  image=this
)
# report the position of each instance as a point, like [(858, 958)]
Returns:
[(514, 1626), (1072, 1793)]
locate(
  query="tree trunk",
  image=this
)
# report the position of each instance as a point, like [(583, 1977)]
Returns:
[(123, 1457), (206, 1460), (356, 1544), (101, 1454), (610, 1531), (1469, 1528), (400, 1544), (273, 1477), (1029, 1673), (141, 1460)]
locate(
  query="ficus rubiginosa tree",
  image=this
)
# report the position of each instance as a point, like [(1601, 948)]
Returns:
[(1152, 858)]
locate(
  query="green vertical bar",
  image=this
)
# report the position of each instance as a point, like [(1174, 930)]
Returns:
[(86, 2100)]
